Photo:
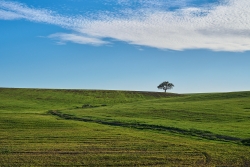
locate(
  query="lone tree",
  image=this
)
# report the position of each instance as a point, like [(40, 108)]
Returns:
[(165, 85)]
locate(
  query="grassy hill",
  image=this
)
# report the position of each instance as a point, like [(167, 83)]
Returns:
[(45, 127)]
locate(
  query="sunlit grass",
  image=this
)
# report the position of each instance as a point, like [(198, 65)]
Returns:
[(31, 136)]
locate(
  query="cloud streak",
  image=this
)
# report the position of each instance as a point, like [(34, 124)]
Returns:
[(218, 27), (77, 38), (14, 10)]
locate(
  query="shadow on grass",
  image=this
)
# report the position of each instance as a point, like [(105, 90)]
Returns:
[(246, 142), (191, 132)]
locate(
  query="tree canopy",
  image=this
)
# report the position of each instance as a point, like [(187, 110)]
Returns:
[(165, 86)]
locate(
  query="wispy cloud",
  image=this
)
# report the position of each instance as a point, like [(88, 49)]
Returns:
[(75, 38), (219, 27), (14, 10)]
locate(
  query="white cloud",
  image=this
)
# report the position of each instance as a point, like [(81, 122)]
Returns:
[(13, 10), (223, 28), (220, 27), (76, 38), (7, 15)]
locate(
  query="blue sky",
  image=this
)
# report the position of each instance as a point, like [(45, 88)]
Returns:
[(198, 45)]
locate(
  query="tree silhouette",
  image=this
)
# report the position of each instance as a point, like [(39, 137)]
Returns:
[(165, 86)]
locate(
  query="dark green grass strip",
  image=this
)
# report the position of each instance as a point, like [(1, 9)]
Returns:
[(192, 132)]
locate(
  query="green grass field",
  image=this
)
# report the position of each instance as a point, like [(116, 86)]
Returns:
[(40, 127)]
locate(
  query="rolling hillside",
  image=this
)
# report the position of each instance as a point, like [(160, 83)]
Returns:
[(46, 127)]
